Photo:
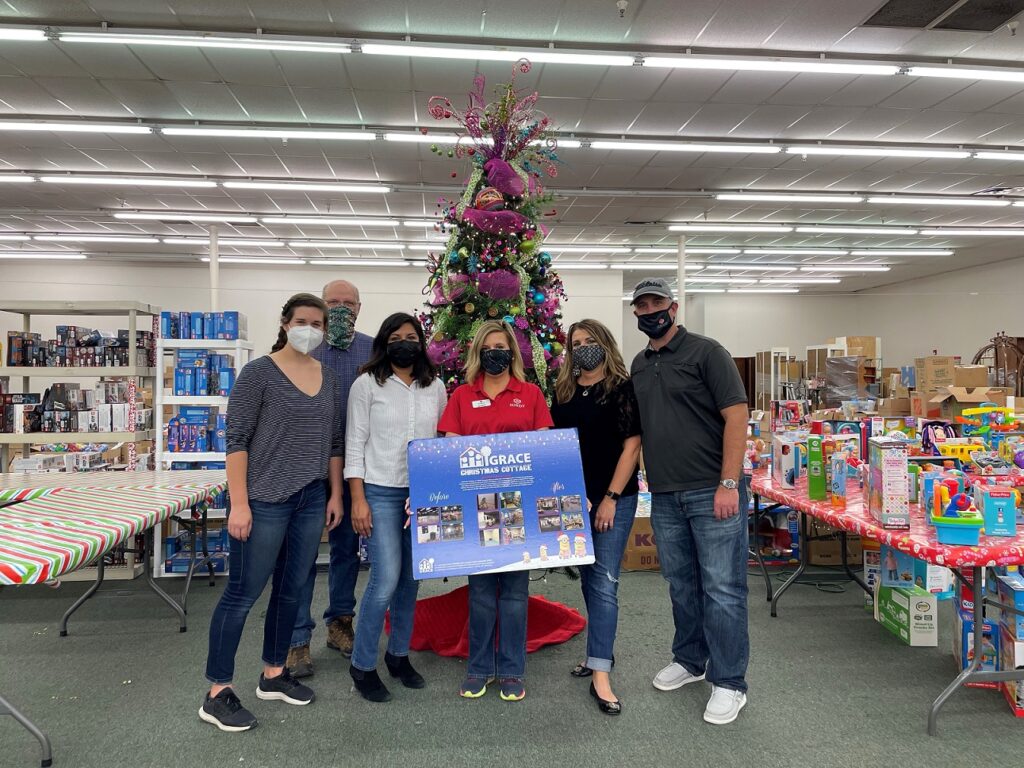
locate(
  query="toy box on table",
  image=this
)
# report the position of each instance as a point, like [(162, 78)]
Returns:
[(910, 614), (888, 491), (963, 645), (789, 450), (998, 507), (904, 571), (872, 569)]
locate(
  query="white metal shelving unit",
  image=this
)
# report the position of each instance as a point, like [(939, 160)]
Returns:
[(241, 350), (106, 309)]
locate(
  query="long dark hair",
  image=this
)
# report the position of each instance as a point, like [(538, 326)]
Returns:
[(288, 312), (423, 371)]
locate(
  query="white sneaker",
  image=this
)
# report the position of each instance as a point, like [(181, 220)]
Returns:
[(674, 676), (724, 706)]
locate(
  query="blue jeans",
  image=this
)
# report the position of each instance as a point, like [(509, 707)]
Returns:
[(704, 561), (391, 582), (282, 543), (341, 578), (600, 583), (497, 624)]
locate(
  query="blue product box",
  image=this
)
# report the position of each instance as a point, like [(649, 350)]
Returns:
[(194, 414), (225, 382), (220, 435), (963, 645), (166, 326), (998, 505), (193, 358), (202, 382), (1011, 592), (197, 325), (174, 435), (898, 568), (219, 499), (230, 326), (181, 562), (202, 438), (179, 465), (184, 382), (209, 327), (184, 325)]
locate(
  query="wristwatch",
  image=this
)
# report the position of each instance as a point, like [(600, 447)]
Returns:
[(613, 495), (729, 485)]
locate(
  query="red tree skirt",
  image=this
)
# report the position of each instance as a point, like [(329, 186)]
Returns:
[(442, 624)]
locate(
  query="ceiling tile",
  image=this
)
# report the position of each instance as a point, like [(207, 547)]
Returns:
[(272, 105), (662, 118), (208, 101), (27, 96), (303, 70), (574, 82), (177, 63), (246, 67), (84, 97), (147, 99), (767, 122), (716, 119), (820, 123), (393, 108)]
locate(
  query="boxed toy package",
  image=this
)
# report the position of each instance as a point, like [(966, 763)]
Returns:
[(910, 614), (1011, 658), (1011, 593), (998, 505), (816, 481), (871, 550), (963, 645), (888, 493), (902, 569)]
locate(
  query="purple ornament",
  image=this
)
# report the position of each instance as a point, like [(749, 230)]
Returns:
[(1018, 459), (443, 353), (496, 222), (501, 284), (524, 347)]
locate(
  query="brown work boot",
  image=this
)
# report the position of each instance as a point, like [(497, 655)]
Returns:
[(299, 663), (340, 636)]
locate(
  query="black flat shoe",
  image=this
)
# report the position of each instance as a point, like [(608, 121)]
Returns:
[(581, 670), (369, 685), (401, 667), (613, 708)]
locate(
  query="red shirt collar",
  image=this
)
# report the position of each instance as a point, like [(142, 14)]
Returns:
[(514, 385)]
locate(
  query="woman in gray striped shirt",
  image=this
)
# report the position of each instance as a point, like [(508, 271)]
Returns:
[(398, 398), (284, 442)]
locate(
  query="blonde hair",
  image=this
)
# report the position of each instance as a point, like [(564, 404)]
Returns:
[(473, 365), (615, 368)]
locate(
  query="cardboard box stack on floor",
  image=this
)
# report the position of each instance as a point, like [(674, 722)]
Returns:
[(641, 553)]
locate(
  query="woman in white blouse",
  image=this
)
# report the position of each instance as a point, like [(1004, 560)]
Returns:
[(397, 398)]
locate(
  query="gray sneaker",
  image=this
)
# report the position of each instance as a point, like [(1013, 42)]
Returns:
[(675, 676), (724, 706)]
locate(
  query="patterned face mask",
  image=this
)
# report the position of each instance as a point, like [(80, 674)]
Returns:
[(588, 357), (341, 326)]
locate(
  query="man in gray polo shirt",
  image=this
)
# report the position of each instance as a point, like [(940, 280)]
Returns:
[(693, 411)]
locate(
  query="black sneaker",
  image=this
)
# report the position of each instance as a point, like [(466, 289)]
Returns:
[(369, 685), (284, 688), (401, 667), (226, 712)]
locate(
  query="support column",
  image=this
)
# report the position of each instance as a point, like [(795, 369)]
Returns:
[(214, 270), (681, 279)]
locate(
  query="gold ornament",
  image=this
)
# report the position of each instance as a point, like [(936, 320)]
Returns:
[(469, 308), (492, 312)]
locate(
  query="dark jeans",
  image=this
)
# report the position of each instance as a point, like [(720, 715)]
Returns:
[(600, 583), (341, 579), (704, 561), (282, 543), (497, 624)]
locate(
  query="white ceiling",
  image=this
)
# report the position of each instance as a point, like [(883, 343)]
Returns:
[(599, 190)]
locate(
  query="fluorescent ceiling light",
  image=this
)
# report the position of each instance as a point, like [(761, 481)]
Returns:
[(27, 125), (561, 143), (729, 267), (328, 221), (968, 73), (132, 181), (560, 265), (682, 146), (903, 252), (991, 202), (818, 149), (272, 133), (13, 237), (223, 241), (845, 268), (687, 290), (780, 197), (425, 246), (422, 138), (999, 155), (254, 260), (260, 43), (361, 262), (350, 245), (690, 251), (830, 230), (795, 251), (94, 239), (989, 232), (226, 218), (306, 186), (802, 281), (762, 64), (730, 228), (43, 256), (764, 290), (556, 248), (728, 280), (15, 178), (655, 266), (420, 222), (20, 33), (497, 54)]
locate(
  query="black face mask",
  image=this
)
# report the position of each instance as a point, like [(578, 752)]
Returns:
[(588, 357), (656, 324), (496, 361), (403, 353)]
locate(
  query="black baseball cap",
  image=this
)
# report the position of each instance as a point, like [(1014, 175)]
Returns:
[(652, 286)]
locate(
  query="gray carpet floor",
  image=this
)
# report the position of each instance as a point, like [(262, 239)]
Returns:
[(828, 687)]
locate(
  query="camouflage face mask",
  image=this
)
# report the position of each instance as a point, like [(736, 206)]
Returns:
[(341, 326)]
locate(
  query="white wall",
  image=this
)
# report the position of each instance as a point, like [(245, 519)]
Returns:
[(259, 292)]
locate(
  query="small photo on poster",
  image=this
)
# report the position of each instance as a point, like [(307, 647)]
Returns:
[(550, 523), (451, 514), (428, 516), (571, 504), (491, 537), (485, 501), (510, 517), (452, 532), (426, 534), (488, 520), (515, 535), (511, 500), (547, 505)]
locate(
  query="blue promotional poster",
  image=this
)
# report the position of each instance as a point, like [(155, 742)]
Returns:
[(492, 503)]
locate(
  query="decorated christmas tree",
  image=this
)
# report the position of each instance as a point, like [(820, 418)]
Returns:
[(494, 266)]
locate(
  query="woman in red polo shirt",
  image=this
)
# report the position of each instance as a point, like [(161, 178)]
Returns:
[(496, 398)]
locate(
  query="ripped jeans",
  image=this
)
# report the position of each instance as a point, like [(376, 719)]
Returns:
[(600, 583)]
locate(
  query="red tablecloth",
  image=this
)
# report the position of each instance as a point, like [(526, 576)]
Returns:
[(919, 541)]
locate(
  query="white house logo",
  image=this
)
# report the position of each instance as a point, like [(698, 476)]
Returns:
[(427, 565), (484, 461)]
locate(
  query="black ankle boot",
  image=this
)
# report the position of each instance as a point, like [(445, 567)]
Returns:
[(369, 685), (401, 667)]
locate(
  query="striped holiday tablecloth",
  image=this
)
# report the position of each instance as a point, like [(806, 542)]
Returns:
[(46, 537), (22, 486)]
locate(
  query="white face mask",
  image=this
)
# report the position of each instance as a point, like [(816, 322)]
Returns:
[(305, 338)]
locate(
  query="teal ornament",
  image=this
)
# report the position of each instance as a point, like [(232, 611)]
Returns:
[(538, 298), (545, 258), (547, 347), (509, 319), (453, 257)]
